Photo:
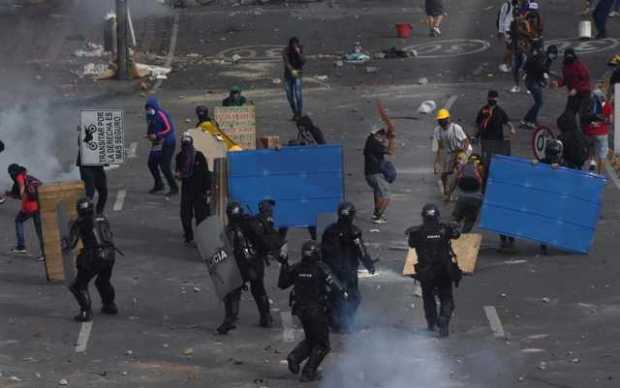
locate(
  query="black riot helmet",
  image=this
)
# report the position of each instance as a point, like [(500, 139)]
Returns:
[(265, 207), (203, 113), (430, 214), (310, 251), (346, 212), (84, 207), (234, 211), (553, 150)]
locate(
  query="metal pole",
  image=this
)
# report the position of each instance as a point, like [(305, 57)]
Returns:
[(123, 43)]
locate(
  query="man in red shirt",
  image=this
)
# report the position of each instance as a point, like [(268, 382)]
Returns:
[(576, 78), (29, 208)]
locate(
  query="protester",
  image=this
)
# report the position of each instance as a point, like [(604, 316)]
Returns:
[(526, 31), (616, 9), (504, 19), (600, 15), (294, 61), (95, 180), (234, 98), (380, 142), (193, 171), (450, 139), (162, 134), (490, 124), (536, 75), (435, 268), (96, 258), (25, 189), (469, 185), (576, 78), (518, 46), (208, 125), (597, 130), (575, 144), (312, 283), (434, 15), (2, 197)]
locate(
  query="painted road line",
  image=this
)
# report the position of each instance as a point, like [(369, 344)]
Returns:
[(494, 322), (120, 200), (612, 174), (133, 147), (171, 49), (82, 341), (451, 102), (288, 331)]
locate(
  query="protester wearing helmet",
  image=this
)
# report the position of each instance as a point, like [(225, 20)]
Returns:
[(449, 138), (312, 282), (342, 249), (234, 98), (193, 171), (96, 259), (435, 268)]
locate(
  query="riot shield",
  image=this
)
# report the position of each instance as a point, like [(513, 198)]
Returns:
[(217, 253), (65, 237)]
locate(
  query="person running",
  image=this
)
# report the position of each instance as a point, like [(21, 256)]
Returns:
[(162, 134), (294, 61), (434, 15), (536, 75)]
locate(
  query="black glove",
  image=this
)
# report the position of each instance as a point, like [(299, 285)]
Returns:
[(1, 146)]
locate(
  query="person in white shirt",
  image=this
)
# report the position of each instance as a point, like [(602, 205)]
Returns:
[(504, 18), (449, 138)]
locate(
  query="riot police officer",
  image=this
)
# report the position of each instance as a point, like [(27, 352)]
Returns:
[(96, 258), (251, 265), (435, 269), (312, 281), (342, 250)]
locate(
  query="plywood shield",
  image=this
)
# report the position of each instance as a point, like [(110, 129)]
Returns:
[(465, 247)]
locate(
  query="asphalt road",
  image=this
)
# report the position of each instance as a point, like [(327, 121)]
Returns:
[(559, 312)]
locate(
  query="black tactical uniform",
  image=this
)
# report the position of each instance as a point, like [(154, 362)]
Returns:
[(96, 258), (242, 236), (435, 269), (312, 281), (342, 250)]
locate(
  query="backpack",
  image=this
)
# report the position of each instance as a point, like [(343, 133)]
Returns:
[(32, 188), (469, 178), (104, 237)]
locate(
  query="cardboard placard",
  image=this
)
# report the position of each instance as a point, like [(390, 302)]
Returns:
[(465, 247), (209, 145), (102, 137), (238, 122)]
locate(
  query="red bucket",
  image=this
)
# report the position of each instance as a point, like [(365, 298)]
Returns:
[(404, 30)]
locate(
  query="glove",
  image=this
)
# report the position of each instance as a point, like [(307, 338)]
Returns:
[(345, 295)]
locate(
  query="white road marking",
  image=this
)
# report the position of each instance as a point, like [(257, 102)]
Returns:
[(82, 341), (494, 322), (288, 331), (120, 200), (612, 174), (451, 102), (171, 49), (133, 147)]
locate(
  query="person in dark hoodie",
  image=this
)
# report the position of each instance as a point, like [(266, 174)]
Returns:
[(234, 98), (536, 74), (294, 61), (162, 134), (193, 171), (574, 141), (576, 78)]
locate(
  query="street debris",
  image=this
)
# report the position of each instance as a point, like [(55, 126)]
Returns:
[(188, 352), (423, 81), (393, 52), (371, 69), (575, 361), (92, 50), (236, 58), (503, 294), (15, 379), (277, 81), (427, 107), (93, 69), (129, 352), (545, 300), (196, 289), (63, 382), (339, 63), (321, 77), (542, 365), (152, 71), (375, 230), (124, 373)]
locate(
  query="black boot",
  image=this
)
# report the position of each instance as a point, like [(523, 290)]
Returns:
[(231, 308), (156, 189), (266, 320), (297, 355), (310, 369), (109, 308), (226, 326), (83, 298)]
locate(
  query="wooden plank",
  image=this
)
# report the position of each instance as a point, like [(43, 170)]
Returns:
[(220, 189), (465, 247)]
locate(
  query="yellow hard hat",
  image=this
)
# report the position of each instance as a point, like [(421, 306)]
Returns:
[(615, 60), (443, 114)]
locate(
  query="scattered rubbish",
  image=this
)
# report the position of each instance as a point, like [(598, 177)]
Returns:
[(503, 295), (152, 71), (236, 58), (196, 289), (339, 63), (375, 230), (93, 69), (277, 81), (15, 379), (37, 375), (427, 107), (165, 346), (532, 350), (188, 120), (193, 55), (545, 300), (92, 50), (124, 373), (575, 361), (356, 58), (521, 379), (371, 69), (321, 77), (129, 352), (63, 382), (412, 306), (542, 365), (38, 77), (271, 301), (283, 362), (418, 291), (423, 81), (188, 351)]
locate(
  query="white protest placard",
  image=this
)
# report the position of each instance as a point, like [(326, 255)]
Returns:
[(102, 137)]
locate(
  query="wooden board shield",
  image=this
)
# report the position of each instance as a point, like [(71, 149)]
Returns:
[(465, 247), (209, 145), (65, 234)]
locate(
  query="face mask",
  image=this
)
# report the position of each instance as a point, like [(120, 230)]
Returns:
[(150, 112), (443, 123), (492, 102)]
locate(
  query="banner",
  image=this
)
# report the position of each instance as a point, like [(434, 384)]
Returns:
[(238, 122), (557, 207), (102, 137), (304, 181)]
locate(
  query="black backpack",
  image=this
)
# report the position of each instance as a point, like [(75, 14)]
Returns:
[(105, 238), (32, 187), (469, 178)]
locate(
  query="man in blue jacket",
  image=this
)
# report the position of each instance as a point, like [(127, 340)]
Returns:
[(162, 134)]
